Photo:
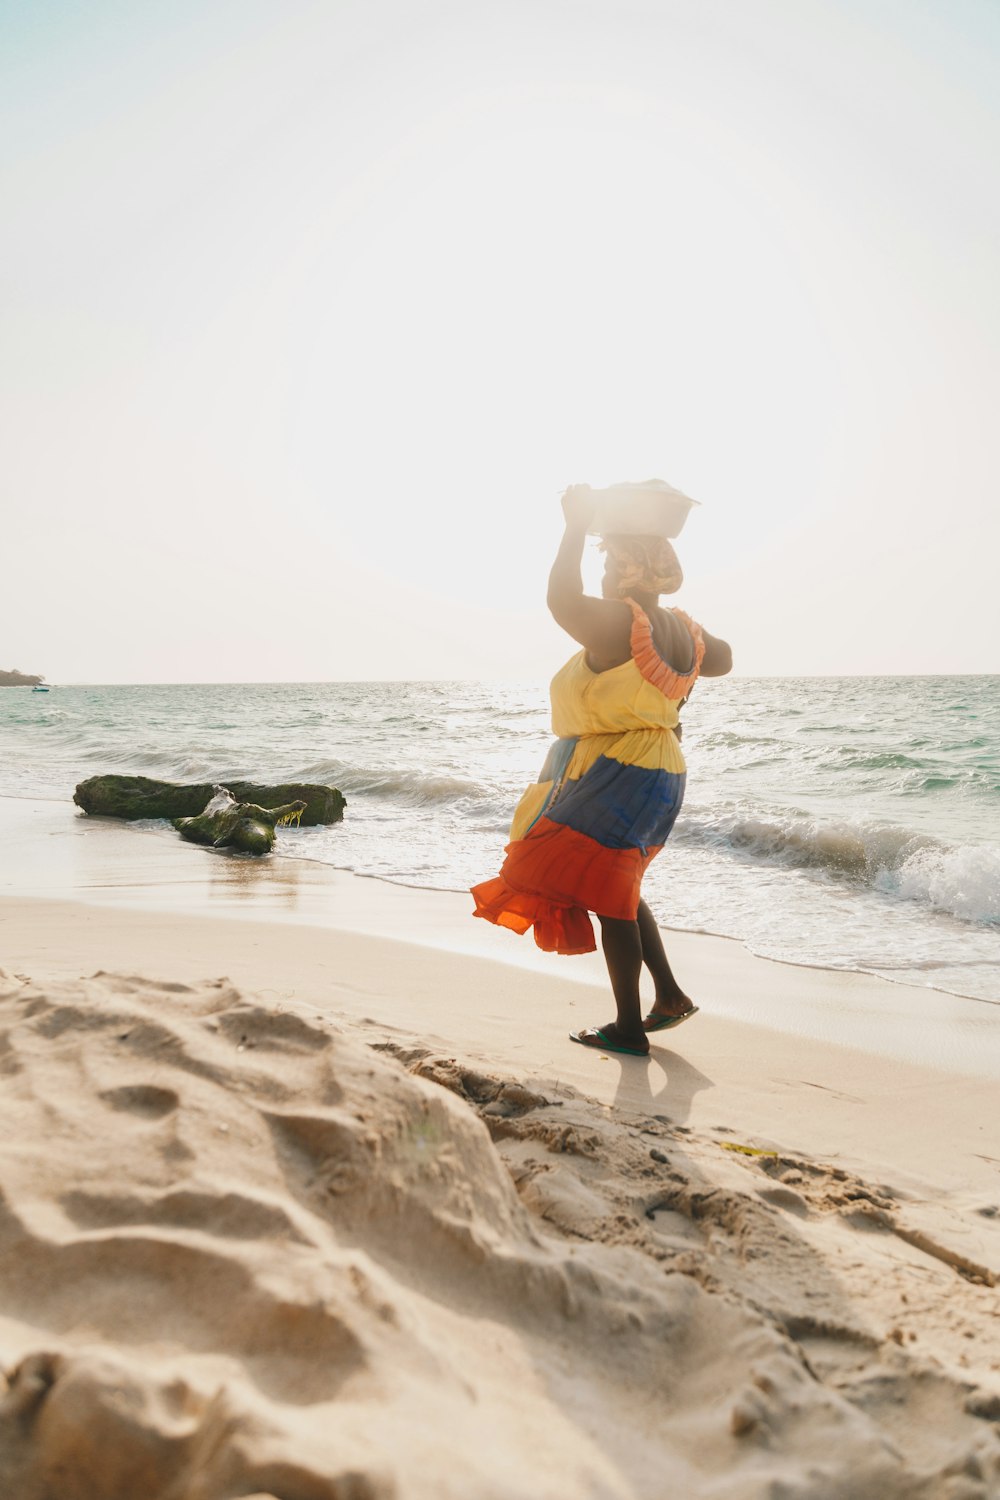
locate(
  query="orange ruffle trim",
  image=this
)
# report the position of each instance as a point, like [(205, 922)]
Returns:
[(673, 685), (558, 928)]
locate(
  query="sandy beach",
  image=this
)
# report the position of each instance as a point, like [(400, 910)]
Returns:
[(305, 1193), (498, 463)]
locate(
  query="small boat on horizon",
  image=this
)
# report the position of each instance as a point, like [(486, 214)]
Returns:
[(40, 687)]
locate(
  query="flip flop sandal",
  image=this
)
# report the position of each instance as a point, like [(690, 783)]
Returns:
[(664, 1023), (594, 1038)]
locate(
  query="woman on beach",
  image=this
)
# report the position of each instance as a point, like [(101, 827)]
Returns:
[(584, 835)]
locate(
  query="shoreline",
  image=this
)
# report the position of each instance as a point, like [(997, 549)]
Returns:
[(684, 933), (81, 891), (50, 850)]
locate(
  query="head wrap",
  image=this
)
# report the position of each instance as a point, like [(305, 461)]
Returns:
[(646, 564)]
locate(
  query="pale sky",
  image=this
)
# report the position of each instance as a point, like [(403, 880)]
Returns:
[(311, 310)]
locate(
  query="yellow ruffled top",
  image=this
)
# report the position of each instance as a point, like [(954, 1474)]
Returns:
[(627, 713)]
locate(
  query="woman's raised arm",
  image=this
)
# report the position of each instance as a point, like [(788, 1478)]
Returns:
[(602, 626)]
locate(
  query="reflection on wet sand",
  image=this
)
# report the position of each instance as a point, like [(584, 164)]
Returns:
[(51, 852), (240, 877)]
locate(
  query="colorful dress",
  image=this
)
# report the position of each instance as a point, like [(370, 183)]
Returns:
[(610, 789)]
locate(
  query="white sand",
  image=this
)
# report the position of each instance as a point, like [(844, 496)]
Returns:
[(255, 1240)]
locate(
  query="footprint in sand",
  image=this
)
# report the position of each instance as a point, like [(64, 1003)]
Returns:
[(146, 1100)]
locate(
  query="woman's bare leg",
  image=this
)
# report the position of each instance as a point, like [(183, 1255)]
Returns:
[(670, 998), (622, 946)]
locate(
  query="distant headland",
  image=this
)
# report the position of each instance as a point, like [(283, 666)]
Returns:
[(14, 678)]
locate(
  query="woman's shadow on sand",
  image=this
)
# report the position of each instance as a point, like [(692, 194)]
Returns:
[(664, 1084)]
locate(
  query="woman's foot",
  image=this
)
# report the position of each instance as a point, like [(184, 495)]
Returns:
[(667, 1013), (611, 1038)]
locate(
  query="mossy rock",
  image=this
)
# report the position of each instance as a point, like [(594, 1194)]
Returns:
[(141, 797), (227, 824)]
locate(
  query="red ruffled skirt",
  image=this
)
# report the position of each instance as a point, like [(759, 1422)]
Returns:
[(552, 879)]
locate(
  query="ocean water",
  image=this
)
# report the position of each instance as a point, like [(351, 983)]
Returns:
[(852, 823)]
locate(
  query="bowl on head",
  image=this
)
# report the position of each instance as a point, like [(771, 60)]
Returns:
[(650, 509)]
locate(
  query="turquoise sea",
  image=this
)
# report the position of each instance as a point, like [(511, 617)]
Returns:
[(852, 823)]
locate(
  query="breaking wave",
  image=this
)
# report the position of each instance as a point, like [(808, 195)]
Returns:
[(962, 880), (410, 787)]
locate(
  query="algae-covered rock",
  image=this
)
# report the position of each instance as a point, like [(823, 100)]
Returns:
[(142, 797), (228, 824)]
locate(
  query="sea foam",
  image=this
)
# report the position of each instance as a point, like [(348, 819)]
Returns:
[(964, 882)]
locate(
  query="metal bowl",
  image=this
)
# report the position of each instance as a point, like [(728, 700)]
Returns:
[(651, 508)]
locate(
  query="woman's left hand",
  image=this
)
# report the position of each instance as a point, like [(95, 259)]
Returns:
[(578, 505)]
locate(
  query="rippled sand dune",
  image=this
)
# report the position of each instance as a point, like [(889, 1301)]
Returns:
[(245, 1253)]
